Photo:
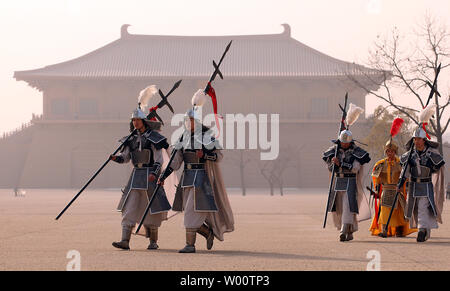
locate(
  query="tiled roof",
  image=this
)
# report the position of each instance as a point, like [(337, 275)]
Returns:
[(142, 56)]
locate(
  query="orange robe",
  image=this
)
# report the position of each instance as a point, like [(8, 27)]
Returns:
[(387, 173)]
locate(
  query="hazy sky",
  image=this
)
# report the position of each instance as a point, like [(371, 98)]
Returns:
[(36, 33)]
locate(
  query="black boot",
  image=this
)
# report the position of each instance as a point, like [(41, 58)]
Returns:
[(399, 231), (350, 236), (346, 233), (422, 235), (383, 234)]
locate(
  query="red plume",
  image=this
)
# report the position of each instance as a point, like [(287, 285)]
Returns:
[(425, 129), (153, 109), (212, 94), (396, 125)]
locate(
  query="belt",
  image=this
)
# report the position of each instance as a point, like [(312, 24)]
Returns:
[(421, 180), (193, 166), (347, 175), (389, 186), (142, 166)]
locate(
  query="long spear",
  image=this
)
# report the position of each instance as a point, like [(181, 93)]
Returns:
[(95, 175), (330, 188), (151, 114), (216, 69), (405, 166), (164, 101)]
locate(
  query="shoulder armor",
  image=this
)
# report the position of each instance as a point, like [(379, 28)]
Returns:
[(361, 155), (179, 143), (210, 142), (436, 158), (329, 152), (158, 140), (125, 137), (378, 168), (404, 157)]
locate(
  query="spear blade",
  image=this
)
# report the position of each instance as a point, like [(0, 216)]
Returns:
[(158, 117), (170, 107), (164, 101), (175, 86), (433, 87), (216, 68), (218, 71)]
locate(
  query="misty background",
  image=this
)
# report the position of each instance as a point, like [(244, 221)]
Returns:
[(283, 61), (44, 32)]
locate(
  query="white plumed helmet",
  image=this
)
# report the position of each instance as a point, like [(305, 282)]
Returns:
[(346, 136)]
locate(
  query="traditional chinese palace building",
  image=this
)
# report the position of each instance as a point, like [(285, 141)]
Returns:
[(87, 103)]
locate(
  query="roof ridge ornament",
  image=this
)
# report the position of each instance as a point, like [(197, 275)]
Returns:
[(287, 30), (124, 31)]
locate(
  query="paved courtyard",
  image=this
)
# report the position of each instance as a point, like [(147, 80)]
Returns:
[(271, 233)]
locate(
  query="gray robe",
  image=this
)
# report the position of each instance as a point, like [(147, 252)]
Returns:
[(200, 206), (348, 204), (146, 154), (425, 198)]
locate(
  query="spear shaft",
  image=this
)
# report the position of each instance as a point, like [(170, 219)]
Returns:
[(330, 188)]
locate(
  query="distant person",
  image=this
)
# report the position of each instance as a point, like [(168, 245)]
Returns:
[(144, 149), (348, 198), (426, 187), (201, 193)]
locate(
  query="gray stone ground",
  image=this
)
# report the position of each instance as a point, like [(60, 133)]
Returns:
[(272, 233)]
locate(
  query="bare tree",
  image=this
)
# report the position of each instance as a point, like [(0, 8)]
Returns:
[(273, 171), (378, 132), (242, 160), (267, 170), (411, 67)]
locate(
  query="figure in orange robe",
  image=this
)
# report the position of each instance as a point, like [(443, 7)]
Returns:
[(385, 175)]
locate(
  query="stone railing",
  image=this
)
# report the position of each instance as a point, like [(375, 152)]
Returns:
[(20, 129)]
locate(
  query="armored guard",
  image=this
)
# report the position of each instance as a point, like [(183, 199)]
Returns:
[(144, 150), (201, 193), (348, 202), (426, 186)]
